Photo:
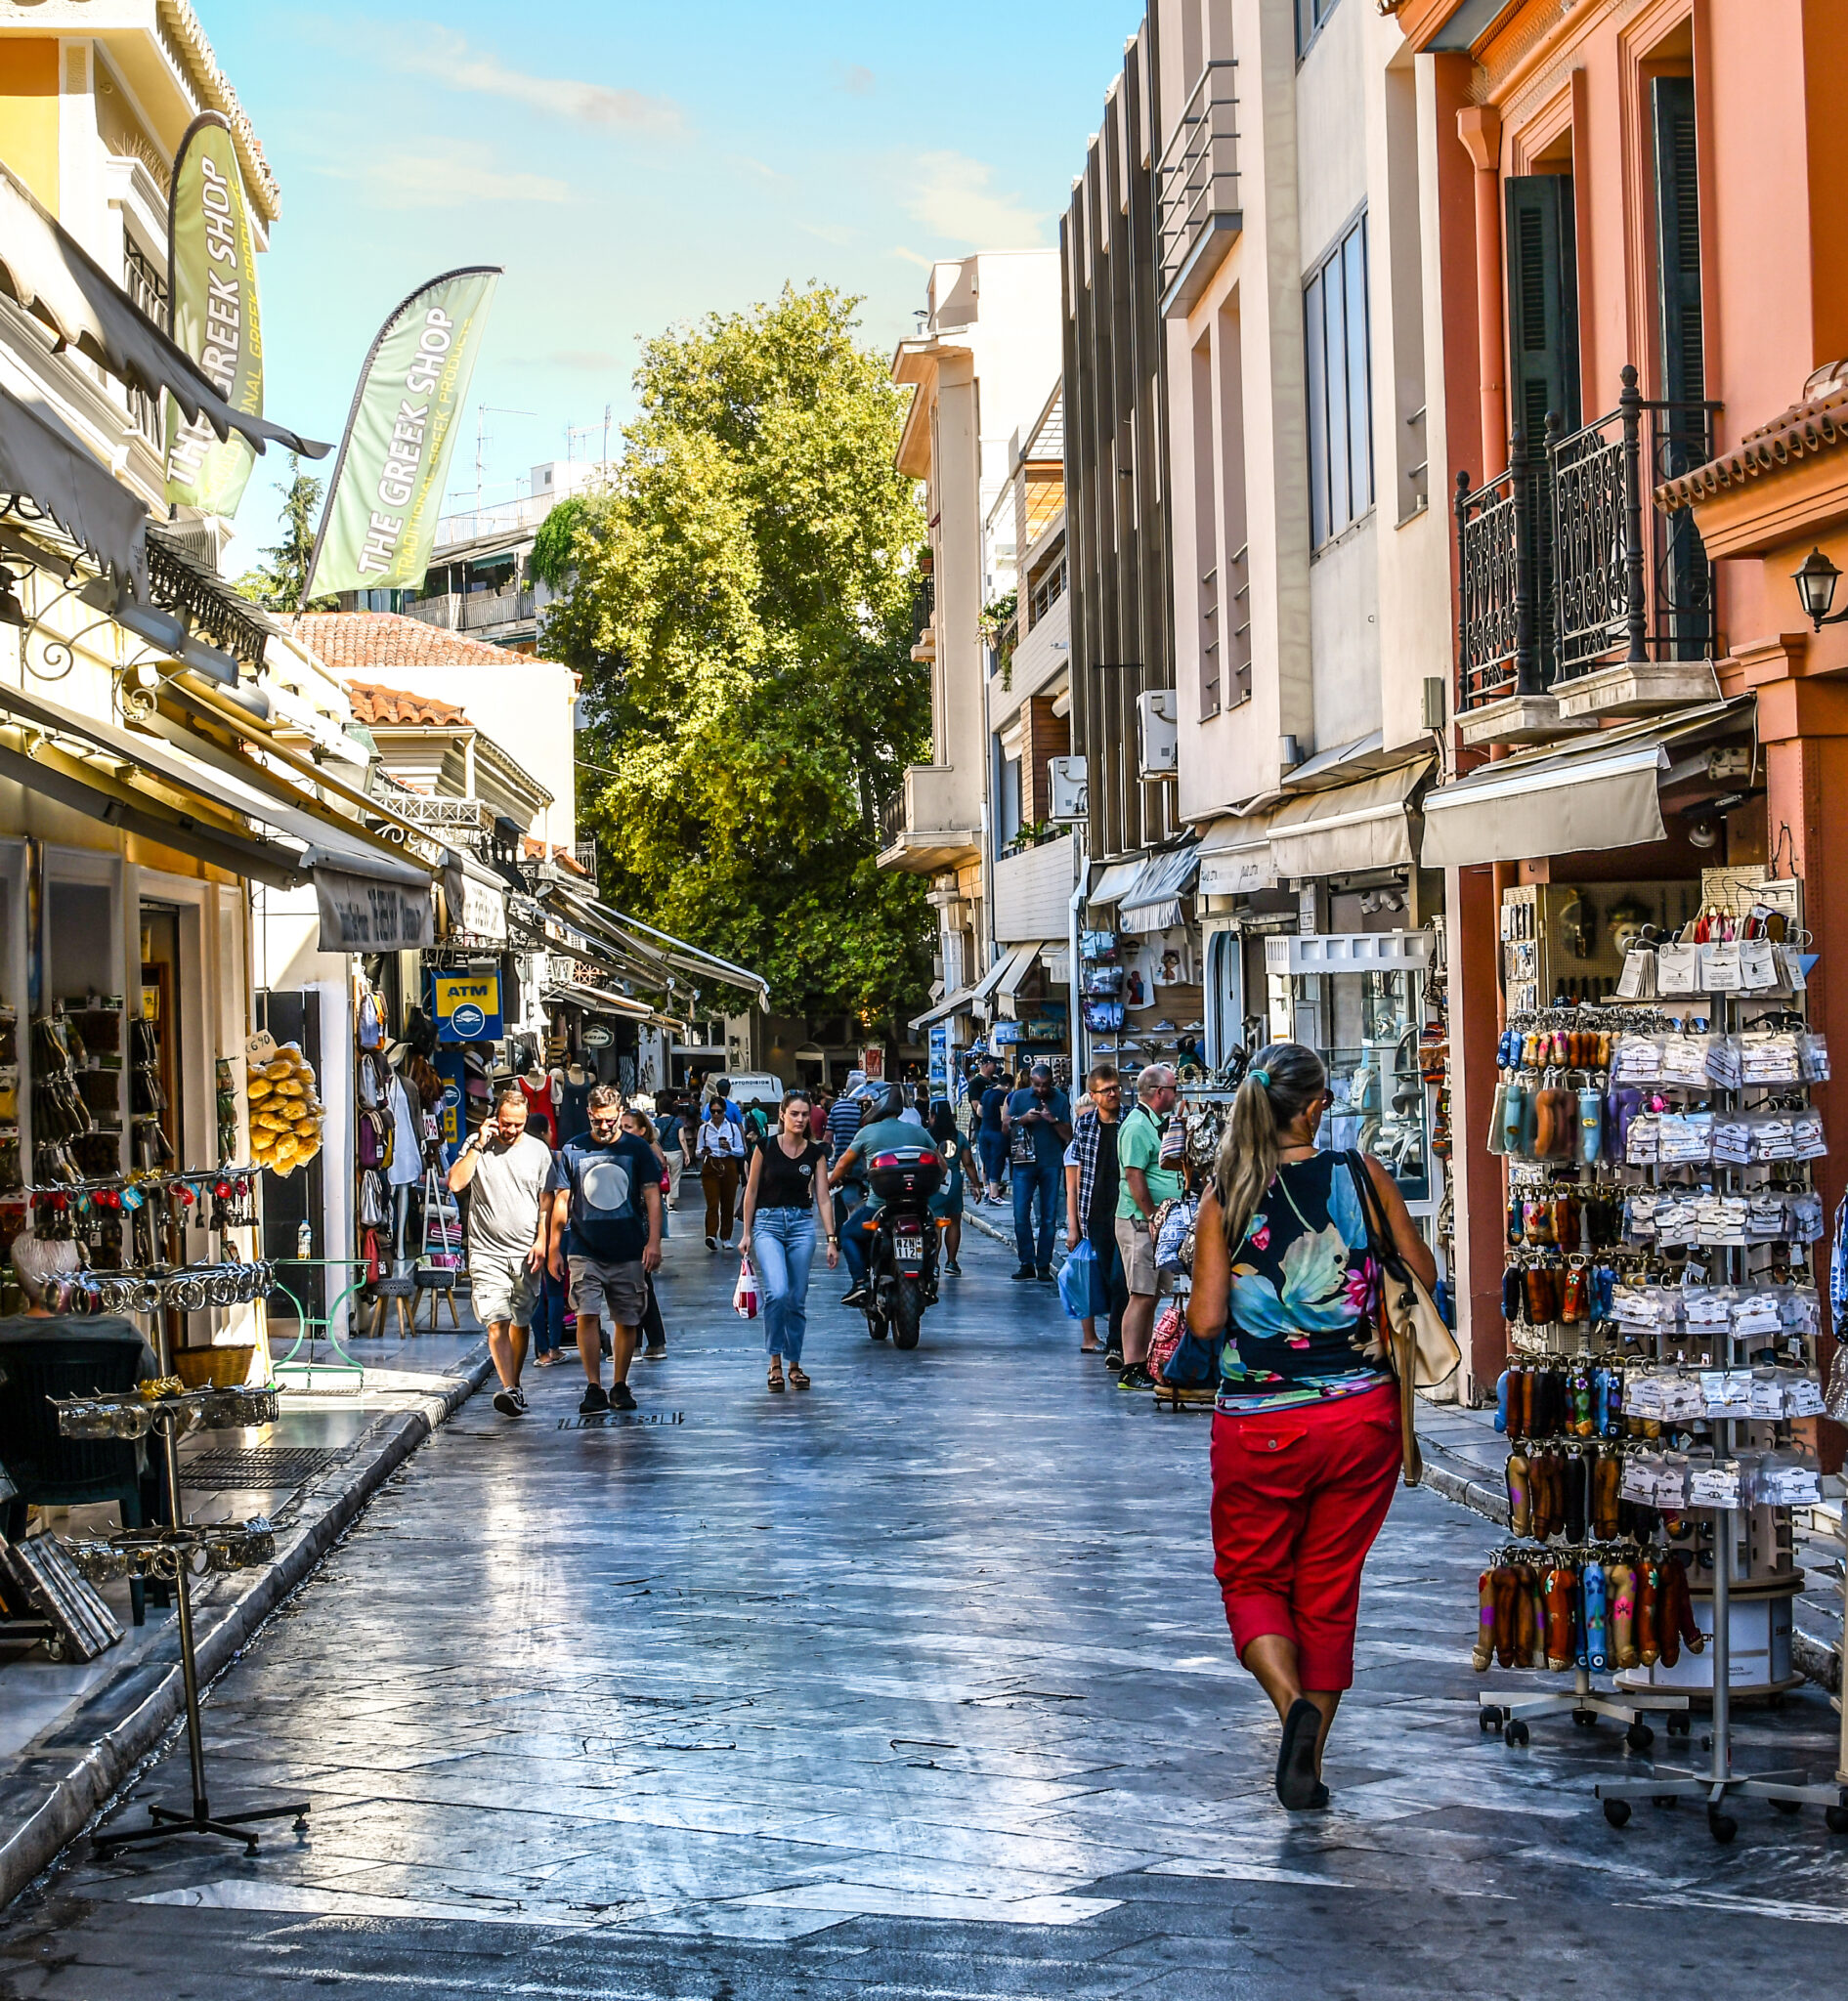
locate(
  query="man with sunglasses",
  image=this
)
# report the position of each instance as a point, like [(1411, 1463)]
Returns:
[(606, 1188)]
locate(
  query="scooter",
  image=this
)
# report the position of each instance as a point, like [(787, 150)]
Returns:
[(901, 1262)]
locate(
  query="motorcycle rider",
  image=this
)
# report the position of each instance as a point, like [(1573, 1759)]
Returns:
[(881, 1127)]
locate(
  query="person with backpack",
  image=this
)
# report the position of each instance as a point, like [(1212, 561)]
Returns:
[(1306, 1447)]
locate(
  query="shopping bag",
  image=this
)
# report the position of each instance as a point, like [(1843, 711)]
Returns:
[(1077, 1282), (745, 1301)]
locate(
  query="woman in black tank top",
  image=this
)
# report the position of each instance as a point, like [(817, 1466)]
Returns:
[(788, 1188)]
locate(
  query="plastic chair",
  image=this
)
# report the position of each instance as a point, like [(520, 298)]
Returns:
[(48, 1470)]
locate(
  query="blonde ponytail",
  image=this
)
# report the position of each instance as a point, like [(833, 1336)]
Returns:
[(1285, 1080)]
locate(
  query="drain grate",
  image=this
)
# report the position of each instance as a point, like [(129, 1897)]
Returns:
[(259, 1467)]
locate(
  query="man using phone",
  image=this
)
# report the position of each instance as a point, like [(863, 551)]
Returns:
[(506, 1168)]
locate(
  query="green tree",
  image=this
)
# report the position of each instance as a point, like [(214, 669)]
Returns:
[(740, 605), (278, 583)]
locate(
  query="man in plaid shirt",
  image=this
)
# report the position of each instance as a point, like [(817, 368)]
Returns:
[(1092, 1184)]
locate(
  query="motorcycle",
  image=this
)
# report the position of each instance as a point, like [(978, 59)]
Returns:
[(901, 1265)]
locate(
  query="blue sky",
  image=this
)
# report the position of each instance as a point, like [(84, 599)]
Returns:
[(634, 166)]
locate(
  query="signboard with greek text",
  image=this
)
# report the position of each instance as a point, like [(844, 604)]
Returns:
[(361, 915), (380, 525)]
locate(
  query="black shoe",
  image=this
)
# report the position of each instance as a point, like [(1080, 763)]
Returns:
[(1044, 1274), (621, 1398), (856, 1298), (654, 1352), (711, 1243), (1113, 1359), (510, 1403), (1298, 1787), (1135, 1377), (952, 1268), (1025, 1271), (595, 1403)]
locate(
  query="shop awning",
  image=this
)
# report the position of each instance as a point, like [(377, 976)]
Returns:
[(646, 945), (1349, 828), (1595, 793), (1118, 878), (1152, 903), (1235, 856), (38, 462), (1014, 975), (982, 994), (476, 898), (58, 283), (600, 1001), (959, 1002)]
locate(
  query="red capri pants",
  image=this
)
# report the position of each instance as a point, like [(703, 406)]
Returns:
[(1297, 1497)]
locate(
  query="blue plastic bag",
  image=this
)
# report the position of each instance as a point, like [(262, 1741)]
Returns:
[(1078, 1282)]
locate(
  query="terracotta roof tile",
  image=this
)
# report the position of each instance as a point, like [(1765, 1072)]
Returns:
[(561, 855), (1817, 424), (393, 707), (350, 642)]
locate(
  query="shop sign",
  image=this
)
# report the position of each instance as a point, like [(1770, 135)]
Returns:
[(467, 1006), (597, 1036), (939, 1059), (361, 915), (873, 1061)]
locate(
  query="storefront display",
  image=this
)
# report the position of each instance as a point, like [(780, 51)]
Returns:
[(285, 1114)]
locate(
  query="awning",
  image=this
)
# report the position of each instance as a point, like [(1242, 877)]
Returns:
[(475, 900), (1014, 975), (1349, 828), (648, 946), (1115, 880), (959, 1002), (600, 1001), (92, 507), (1235, 856), (1153, 902), (56, 280), (1595, 793), (983, 992)]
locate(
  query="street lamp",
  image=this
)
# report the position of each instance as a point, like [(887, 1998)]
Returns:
[(1816, 589)]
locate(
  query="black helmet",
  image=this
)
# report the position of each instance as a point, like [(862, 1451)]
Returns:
[(887, 1104)]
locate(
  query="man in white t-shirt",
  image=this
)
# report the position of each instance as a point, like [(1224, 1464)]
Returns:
[(506, 1168)]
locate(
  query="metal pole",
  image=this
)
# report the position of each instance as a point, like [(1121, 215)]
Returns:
[(182, 1600), (1526, 662), (1636, 616), (1722, 1769)]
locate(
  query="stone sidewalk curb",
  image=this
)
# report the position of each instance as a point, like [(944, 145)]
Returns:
[(61, 1780)]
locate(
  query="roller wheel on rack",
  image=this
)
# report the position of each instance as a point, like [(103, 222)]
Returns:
[(1721, 1826), (1639, 1736), (1586, 1719), (1788, 1806), (1667, 1800), (1489, 1720), (1617, 1812), (1838, 1820), (1514, 1732), (1680, 1724)]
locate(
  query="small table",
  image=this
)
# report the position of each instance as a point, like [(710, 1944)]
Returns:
[(346, 1365)]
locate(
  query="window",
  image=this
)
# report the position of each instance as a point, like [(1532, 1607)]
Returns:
[(1309, 15), (1340, 388)]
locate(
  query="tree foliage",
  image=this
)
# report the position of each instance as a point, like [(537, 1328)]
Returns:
[(277, 584), (740, 605)]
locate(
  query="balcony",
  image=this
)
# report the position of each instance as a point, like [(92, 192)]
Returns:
[(1196, 190), (931, 826), (1043, 652), (476, 611), (1576, 598), (923, 620)]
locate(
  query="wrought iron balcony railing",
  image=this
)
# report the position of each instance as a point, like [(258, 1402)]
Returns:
[(1566, 567), (1197, 184), (893, 820)]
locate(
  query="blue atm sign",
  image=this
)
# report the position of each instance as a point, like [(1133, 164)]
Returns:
[(467, 1008)]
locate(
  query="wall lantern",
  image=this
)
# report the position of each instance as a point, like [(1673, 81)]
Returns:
[(1816, 589)]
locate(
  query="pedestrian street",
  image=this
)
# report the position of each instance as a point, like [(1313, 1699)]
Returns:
[(916, 1685)]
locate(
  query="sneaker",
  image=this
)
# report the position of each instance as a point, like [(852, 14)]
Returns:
[(1044, 1274), (510, 1403), (952, 1268), (1026, 1271), (856, 1298), (654, 1352), (1113, 1359), (595, 1403), (711, 1243), (1135, 1377), (621, 1398)]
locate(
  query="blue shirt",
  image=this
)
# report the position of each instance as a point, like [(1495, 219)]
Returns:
[(1048, 1146), (609, 1213)]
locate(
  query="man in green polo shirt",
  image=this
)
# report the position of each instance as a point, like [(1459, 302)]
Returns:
[(1145, 1186)]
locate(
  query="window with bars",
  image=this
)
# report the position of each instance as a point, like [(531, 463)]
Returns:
[(1340, 387)]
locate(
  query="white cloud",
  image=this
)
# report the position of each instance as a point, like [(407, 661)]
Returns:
[(446, 176), (858, 81), (911, 257), (447, 59), (950, 194)]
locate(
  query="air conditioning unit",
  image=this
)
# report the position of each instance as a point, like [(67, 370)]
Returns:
[(1157, 752), (1071, 789)]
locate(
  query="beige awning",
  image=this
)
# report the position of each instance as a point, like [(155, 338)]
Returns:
[(1596, 793), (1236, 857), (39, 462), (1349, 828), (55, 279), (1013, 975), (1118, 878), (1152, 902), (959, 1002)]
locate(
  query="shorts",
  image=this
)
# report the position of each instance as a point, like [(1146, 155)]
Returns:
[(616, 1293), (501, 1288), (1138, 1247)]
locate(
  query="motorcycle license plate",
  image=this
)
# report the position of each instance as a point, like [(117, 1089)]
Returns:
[(909, 1249)]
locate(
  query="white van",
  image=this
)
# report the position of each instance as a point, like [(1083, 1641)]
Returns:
[(749, 1088)]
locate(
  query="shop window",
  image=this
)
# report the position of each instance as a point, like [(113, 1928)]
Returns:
[(1340, 387)]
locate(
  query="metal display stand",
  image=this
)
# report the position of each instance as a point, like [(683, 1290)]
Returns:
[(175, 1554)]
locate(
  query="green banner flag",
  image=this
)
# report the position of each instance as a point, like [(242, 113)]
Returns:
[(379, 524), (212, 286)]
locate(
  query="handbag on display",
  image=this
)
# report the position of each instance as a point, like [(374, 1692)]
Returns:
[(744, 1297)]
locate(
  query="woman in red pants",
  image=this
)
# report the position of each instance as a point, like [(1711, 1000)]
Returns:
[(1305, 1427)]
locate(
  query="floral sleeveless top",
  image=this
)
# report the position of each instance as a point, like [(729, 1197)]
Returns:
[(1304, 1299)]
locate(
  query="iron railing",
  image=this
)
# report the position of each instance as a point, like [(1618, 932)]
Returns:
[(144, 283), (1564, 567), (1197, 179), (893, 820), (923, 606)]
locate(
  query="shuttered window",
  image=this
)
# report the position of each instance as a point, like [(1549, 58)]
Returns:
[(1678, 241), (1338, 383), (1542, 304)]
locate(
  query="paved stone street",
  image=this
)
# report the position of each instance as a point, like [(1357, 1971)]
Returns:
[(917, 1684)]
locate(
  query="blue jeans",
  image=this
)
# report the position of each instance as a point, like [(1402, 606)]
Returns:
[(548, 1321), (853, 1235), (783, 1248), (993, 1148), (1042, 1178)]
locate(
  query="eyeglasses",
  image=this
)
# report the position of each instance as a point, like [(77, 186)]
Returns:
[(608, 1125)]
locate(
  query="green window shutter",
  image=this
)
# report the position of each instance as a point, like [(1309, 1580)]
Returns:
[(1542, 304), (1678, 241)]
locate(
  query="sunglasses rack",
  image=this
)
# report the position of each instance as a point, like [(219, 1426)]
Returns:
[(1664, 1321), (177, 1556)]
